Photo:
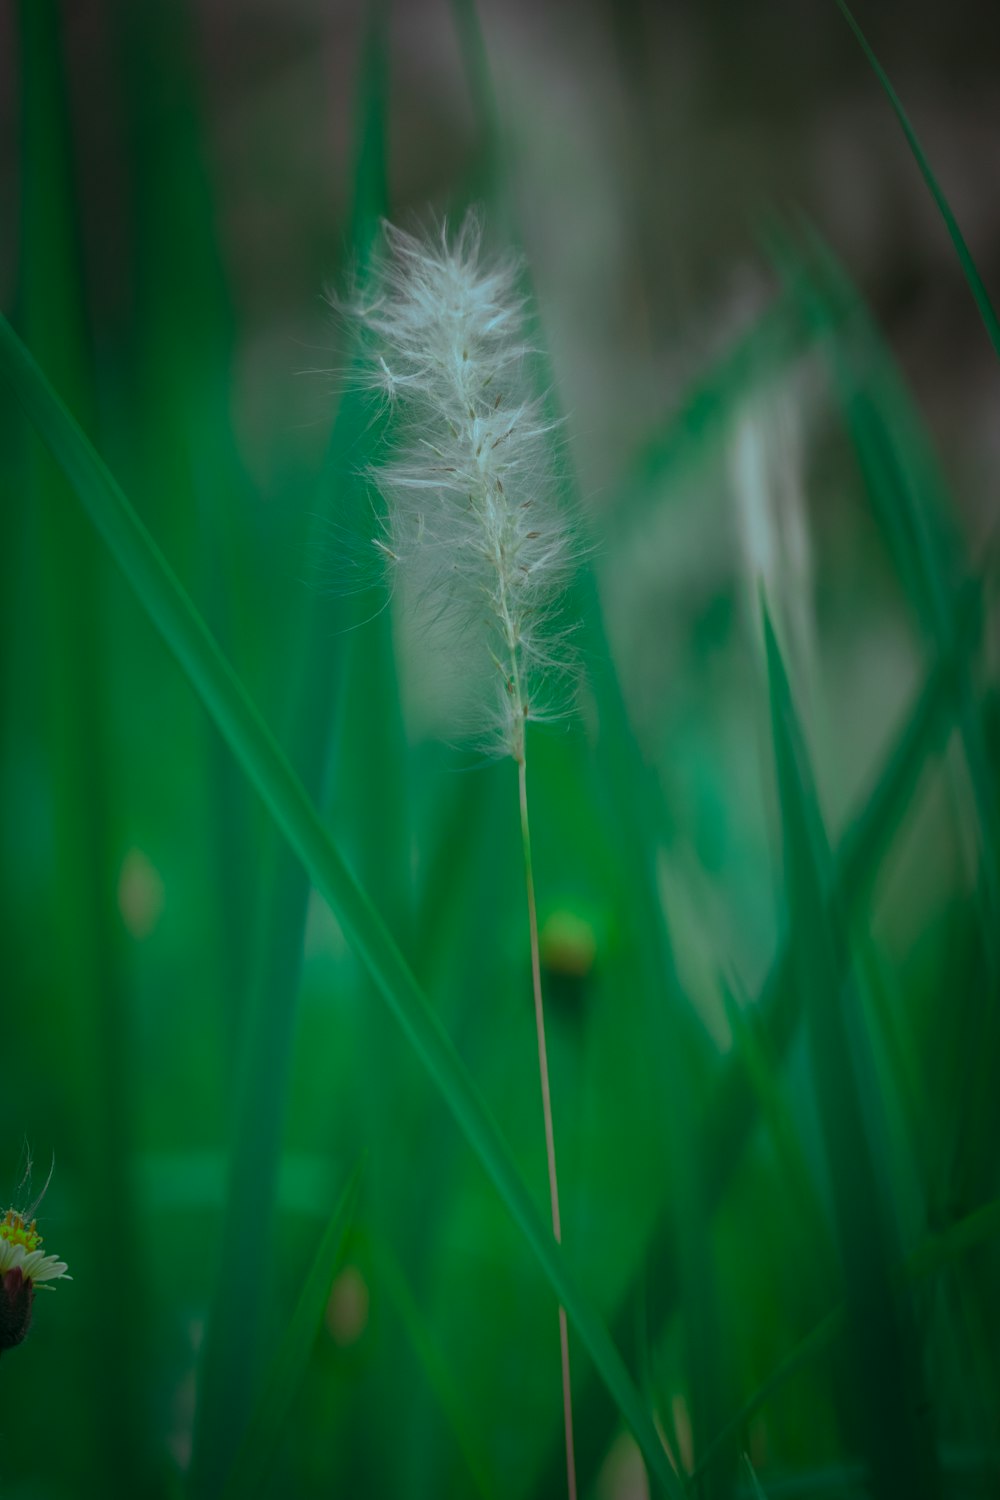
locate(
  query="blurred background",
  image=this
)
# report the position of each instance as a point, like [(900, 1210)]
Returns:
[(773, 377)]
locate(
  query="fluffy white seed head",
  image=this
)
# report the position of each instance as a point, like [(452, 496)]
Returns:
[(470, 510)]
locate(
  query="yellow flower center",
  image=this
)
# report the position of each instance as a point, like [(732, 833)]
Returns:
[(17, 1232)]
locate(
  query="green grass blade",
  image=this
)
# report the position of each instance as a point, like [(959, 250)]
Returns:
[(816, 1341), (439, 1377), (759, 1058), (906, 1070), (911, 504), (364, 720), (886, 1368), (975, 1229), (371, 187), (228, 1359), (251, 1467), (257, 752), (491, 177), (87, 1025), (703, 418), (181, 351), (912, 507), (755, 1486), (972, 276)]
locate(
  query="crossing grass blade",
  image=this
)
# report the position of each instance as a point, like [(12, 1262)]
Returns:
[(912, 507), (252, 1465), (282, 794), (886, 1364), (933, 1256)]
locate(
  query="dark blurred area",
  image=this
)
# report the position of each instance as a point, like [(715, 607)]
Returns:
[(645, 140)]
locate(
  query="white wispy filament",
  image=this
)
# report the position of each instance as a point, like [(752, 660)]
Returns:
[(470, 513)]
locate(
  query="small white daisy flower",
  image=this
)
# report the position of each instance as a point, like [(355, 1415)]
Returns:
[(23, 1267)]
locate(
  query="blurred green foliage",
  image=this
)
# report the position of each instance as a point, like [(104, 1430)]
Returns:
[(767, 864)]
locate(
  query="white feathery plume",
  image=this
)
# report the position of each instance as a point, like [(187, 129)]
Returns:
[(470, 512)]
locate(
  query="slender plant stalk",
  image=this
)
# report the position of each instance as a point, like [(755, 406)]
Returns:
[(469, 512), (550, 1141)]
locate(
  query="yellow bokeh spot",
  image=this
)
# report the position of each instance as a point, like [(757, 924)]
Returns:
[(17, 1232), (569, 944)]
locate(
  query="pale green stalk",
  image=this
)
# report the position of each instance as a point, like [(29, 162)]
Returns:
[(550, 1143)]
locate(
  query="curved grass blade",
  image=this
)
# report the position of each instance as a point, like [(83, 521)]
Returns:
[(972, 276), (256, 750), (251, 1467)]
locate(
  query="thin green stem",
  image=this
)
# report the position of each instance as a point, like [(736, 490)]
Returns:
[(550, 1141)]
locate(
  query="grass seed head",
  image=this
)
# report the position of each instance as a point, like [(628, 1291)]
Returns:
[(470, 515)]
